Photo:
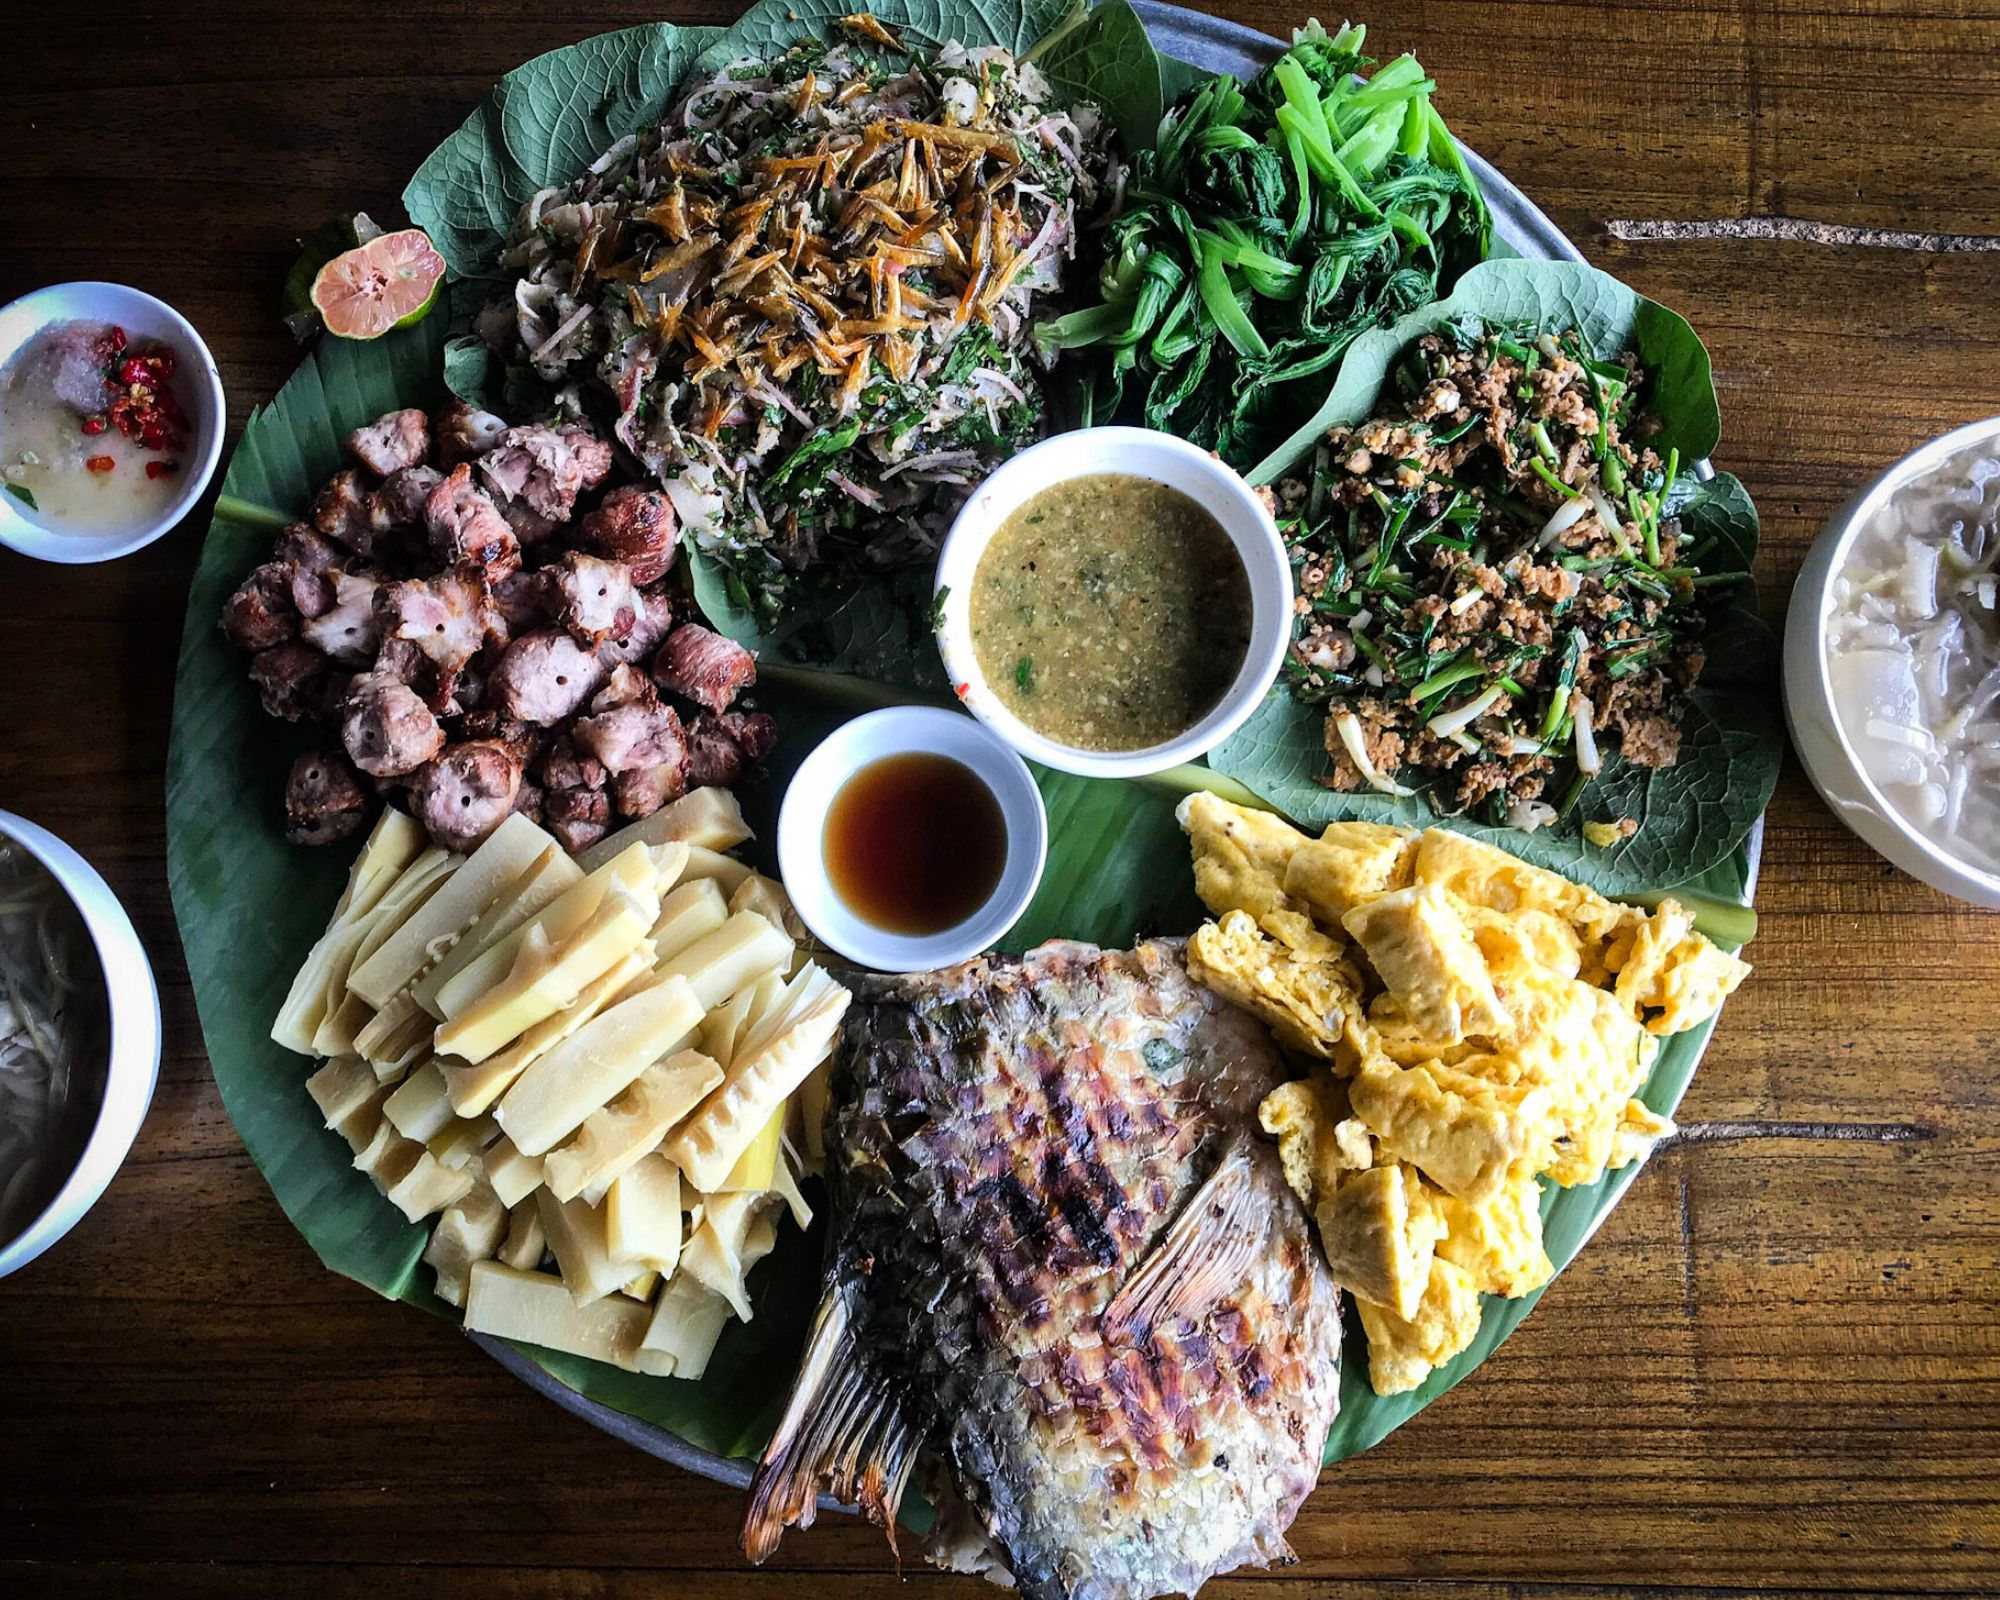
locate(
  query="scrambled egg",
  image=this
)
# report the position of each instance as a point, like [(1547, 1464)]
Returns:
[(1481, 1025)]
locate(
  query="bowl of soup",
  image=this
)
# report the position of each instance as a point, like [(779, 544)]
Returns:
[(1113, 602), (111, 420), (1892, 663), (79, 1038)]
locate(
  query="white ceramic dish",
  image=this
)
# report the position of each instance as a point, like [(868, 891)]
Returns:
[(1830, 760), (1142, 453), (143, 317), (134, 1025), (898, 731)]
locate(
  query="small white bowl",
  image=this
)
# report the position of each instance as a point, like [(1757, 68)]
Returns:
[(133, 1019), (899, 730), (143, 317), (1829, 759), (1142, 453)]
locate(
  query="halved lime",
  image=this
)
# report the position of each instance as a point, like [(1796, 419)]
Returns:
[(389, 282)]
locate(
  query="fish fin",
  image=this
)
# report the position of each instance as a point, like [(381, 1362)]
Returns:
[(844, 1431), (1207, 1252)]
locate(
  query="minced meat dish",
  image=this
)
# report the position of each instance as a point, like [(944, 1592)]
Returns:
[(1490, 588)]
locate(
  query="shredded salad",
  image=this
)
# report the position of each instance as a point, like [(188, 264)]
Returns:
[(805, 296)]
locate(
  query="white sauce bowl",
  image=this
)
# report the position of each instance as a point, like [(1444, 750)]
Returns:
[(144, 318), (133, 1029), (902, 730), (1829, 758), (1140, 453)]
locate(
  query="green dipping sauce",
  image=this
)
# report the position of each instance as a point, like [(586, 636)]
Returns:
[(1110, 612)]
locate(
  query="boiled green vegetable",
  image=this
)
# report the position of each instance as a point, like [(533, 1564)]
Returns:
[(1271, 225)]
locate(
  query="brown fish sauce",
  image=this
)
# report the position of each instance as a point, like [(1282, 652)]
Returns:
[(914, 843)]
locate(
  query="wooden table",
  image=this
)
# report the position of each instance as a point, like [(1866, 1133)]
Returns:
[(1777, 1368)]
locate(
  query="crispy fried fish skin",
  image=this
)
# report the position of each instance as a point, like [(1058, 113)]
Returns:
[(1013, 1142)]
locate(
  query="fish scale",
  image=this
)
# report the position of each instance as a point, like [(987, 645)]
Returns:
[(1011, 1142)]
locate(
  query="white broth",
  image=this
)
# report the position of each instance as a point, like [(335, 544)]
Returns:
[(1913, 653), (66, 461)]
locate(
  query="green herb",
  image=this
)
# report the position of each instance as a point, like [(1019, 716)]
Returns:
[(1024, 674), (1270, 226), (22, 493), (934, 617)]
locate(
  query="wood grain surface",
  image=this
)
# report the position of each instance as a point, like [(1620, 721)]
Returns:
[(1777, 1369)]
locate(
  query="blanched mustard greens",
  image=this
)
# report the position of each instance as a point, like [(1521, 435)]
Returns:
[(1110, 612)]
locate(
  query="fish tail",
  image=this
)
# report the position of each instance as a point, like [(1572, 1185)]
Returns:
[(844, 1431)]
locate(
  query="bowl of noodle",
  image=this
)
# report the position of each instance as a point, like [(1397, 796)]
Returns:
[(79, 1038)]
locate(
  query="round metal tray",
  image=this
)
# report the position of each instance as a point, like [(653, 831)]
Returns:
[(1218, 46)]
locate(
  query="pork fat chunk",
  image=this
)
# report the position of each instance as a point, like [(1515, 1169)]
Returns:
[(465, 431), (386, 728), (543, 677), (546, 468), (290, 680), (392, 442), (465, 526), (467, 792), (324, 800), (449, 617), (262, 612), (340, 513), (635, 526), (592, 598), (346, 631), (704, 666)]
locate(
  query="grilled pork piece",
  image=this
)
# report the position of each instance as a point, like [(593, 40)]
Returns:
[(546, 468), (467, 792), (466, 526), (721, 745), (704, 666), (635, 526), (324, 800), (386, 728), (262, 612), (1061, 1266), (393, 441), (465, 431)]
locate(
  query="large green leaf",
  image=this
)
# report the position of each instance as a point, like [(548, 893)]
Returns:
[(249, 905), (1542, 294), (1691, 816), (543, 124)]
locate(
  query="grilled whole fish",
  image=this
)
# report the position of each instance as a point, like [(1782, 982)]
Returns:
[(1063, 1274)]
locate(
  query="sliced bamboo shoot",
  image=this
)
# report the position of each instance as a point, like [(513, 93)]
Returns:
[(721, 1027), (687, 1322), (767, 897), (341, 1087), (547, 979), (343, 1023), (709, 819), (420, 1109), (550, 1100), (525, 1244), (641, 1287), (535, 1308), (412, 889), (642, 1214), (576, 1236), (773, 1061), (725, 870), (693, 911), (558, 922), (431, 931), (514, 1176), (396, 1035), (463, 1141), (736, 1233), (612, 1138), (392, 845), (756, 1170), (473, 1089), (739, 952), (469, 1230), (547, 877)]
